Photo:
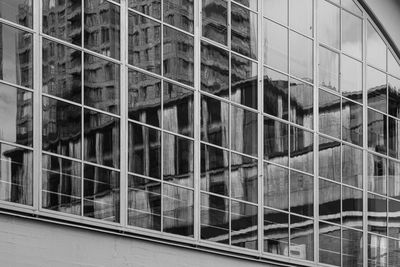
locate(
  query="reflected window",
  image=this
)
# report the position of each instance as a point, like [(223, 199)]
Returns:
[(301, 56), (377, 214), (276, 187), (244, 178), (352, 166), (244, 225), (376, 48), (276, 141), (329, 157), (214, 170), (329, 24), (301, 150), (377, 250), (352, 122), (351, 78), (393, 218), (351, 33), (301, 193), (328, 69), (252, 4), (276, 94), (301, 16), (377, 89), (151, 8), (275, 45), (18, 11), (302, 237), (352, 247), (377, 131), (394, 96), (352, 207), (179, 13), (376, 174), (301, 103), (393, 179), (244, 131), (393, 137), (329, 201), (276, 232), (394, 253), (215, 20), (329, 114), (329, 244)]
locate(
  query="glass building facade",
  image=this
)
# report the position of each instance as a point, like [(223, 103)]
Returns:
[(266, 128)]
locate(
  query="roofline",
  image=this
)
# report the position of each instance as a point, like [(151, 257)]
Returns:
[(380, 26)]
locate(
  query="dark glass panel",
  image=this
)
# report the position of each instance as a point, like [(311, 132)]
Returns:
[(179, 13), (178, 159), (214, 121), (244, 81), (62, 128), (351, 78), (377, 131), (276, 187), (276, 10), (301, 103), (275, 45), (352, 122), (62, 19), (352, 207), (352, 166), (243, 31), (178, 56), (16, 115), (144, 98), (151, 8), (377, 251), (394, 179), (244, 178), (214, 219), (328, 24), (62, 71), (144, 203), (329, 159), (376, 48), (178, 109), (214, 170), (16, 56), (16, 174), (101, 142), (394, 96), (276, 140), (18, 11), (301, 193), (214, 70), (394, 219), (215, 20), (329, 201), (329, 114), (329, 244), (301, 238), (394, 253), (377, 214), (376, 174), (301, 15), (377, 89), (61, 185), (352, 248), (328, 69), (144, 150), (144, 43), (244, 131), (177, 210), (276, 232), (244, 225), (301, 56), (102, 27), (301, 149), (352, 32), (276, 94)]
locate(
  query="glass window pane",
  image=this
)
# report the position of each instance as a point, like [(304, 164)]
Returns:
[(179, 13), (214, 219), (249, 3), (351, 34), (351, 78), (276, 94), (276, 10), (329, 201), (144, 43), (301, 56), (214, 170), (377, 251), (276, 232), (275, 45), (244, 178), (215, 20), (276, 187), (102, 28), (394, 218), (351, 5), (302, 238), (352, 207), (62, 71), (101, 193), (301, 15), (377, 131), (376, 48), (144, 203), (329, 24), (394, 96), (329, 114), (394, 253), (393, 65), (151, 8), (328, 69), (244, 131), (16, 50), (178, 56), (62, 19), (394, 179), (352, 166), (144, 150), (61, 185), (377, 214), (177, 210), (243, 31), (301, 193), (178, 160), (16, 115), (144, 98), (352, 247), (329, 159), (377, 89), (376, 174), (393, 138), (102, 143), (244, 81), (352, 122), (61, 128), (301, 103), (244, 225), (329, 244), (301, 150), (18, 11), (102, 84), (276, 141), (16, 175)]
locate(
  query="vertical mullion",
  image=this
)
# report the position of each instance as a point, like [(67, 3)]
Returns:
[(161, 120), (229, 117), (289, 118), (82, 107)]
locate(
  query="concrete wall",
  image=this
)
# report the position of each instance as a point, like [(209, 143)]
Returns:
[(27, 242)]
